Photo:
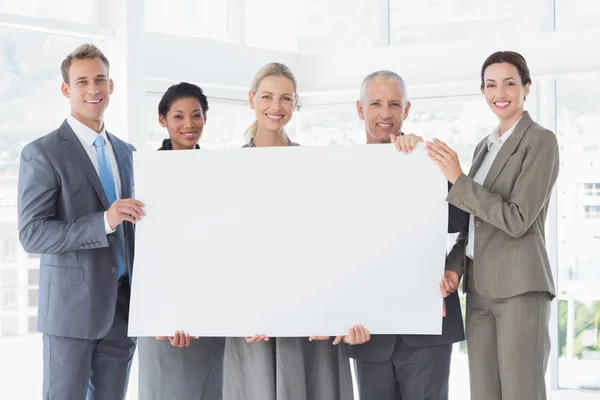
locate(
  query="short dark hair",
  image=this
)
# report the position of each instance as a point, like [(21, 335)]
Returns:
[(181, 91), (84, 52), (511, 57)]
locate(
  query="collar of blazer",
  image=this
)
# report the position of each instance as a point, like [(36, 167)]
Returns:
[(82, 157), (505, 152)]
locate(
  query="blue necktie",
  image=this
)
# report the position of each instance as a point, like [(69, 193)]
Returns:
[(108, 184)]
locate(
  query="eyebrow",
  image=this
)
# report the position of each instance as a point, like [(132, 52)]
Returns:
[(389, 101), (283, 94), (197, 109), (505, 79), (85, 77)]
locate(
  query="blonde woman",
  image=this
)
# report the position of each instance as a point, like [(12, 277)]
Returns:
[(290, 368)]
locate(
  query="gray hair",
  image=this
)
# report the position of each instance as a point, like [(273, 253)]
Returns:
[(383, 75)]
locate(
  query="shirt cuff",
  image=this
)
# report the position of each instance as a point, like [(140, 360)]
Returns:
[(107, 227)]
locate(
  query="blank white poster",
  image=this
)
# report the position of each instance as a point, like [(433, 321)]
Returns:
[(288, 241)]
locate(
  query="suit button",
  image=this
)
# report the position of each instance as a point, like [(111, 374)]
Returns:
[(114, 270), (87, 246), (478, 224), (461, 205), (82, 247)]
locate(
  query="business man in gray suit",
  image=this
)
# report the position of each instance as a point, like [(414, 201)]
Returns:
[(75, 208), (406, 367)]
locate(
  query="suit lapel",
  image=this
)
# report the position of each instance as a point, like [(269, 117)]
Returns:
[(82, 157), (478, 158), (507, 149)]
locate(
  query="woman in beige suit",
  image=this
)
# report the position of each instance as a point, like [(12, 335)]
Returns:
[(503, 255)]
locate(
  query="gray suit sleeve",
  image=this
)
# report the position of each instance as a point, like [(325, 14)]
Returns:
[(38, 193), (528, 196)]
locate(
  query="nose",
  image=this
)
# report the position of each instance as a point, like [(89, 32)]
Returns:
[(500, 91), (386, 111), (188, 122)]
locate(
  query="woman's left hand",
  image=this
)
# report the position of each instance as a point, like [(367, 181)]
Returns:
[(445, 158), (357, 335)]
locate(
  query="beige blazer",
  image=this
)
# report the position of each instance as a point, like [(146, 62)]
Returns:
[(509, 210)]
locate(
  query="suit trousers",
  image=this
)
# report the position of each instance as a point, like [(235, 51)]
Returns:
[(508, 343), (82, 369), (412, 373)]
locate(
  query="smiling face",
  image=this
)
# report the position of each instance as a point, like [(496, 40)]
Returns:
[(504, 91), (88, 91), (383, 110), (184, 122), (273, 103)]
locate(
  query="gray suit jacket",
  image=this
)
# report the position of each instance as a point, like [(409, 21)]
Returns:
[(61, 205), (509, 212), (381, 347)]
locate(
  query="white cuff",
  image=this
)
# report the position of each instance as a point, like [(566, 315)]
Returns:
[(107, 227)]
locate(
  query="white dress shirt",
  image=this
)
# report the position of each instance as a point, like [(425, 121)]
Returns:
[(87, 136), (494, 144)]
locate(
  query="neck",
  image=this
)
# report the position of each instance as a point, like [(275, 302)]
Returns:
[(269, 138), (95, 124), (506, 123)]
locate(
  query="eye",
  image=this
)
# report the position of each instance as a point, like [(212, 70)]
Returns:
[(375, 104), (178, 117), (490, 85), (266, 97), (396, 104), (287, 98), (197, 116)]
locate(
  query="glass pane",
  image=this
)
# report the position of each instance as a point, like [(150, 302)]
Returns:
[(328, 125), (417, 21), (578, 129), (225, 125), (271, 24), (79, 11), (577, 14), (195, 18), (326, 25)]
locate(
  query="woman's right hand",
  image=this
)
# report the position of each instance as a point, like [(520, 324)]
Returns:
[(257, 338), (180, 339)]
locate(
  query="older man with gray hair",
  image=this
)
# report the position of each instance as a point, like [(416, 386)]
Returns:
[(405, 367)]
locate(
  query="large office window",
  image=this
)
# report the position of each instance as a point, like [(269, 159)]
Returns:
[(418, 21), (577, 14), (80, 11), (578, 129), (333, 25), (194, 18)]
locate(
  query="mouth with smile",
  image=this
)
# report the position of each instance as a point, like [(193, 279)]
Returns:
[(93, 101), (275, 117), (384, 125), (189, 134), (502, 104)]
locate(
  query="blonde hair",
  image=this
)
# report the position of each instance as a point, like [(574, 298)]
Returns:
[(270, 69), (83, 52)]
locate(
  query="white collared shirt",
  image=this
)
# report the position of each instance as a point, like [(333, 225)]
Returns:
[(87, 136), (494, 144)]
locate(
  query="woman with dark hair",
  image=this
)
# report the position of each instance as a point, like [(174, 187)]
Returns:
[(182, 368), (502, 255)]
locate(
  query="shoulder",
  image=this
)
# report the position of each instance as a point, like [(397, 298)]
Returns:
[(540, 136), (46, 143), (120, 142)]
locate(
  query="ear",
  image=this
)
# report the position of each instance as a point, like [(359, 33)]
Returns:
[(162, 121), (251, 99), (526, 89), (64, 88), (111, 86), (406, 110), (359, 109)]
